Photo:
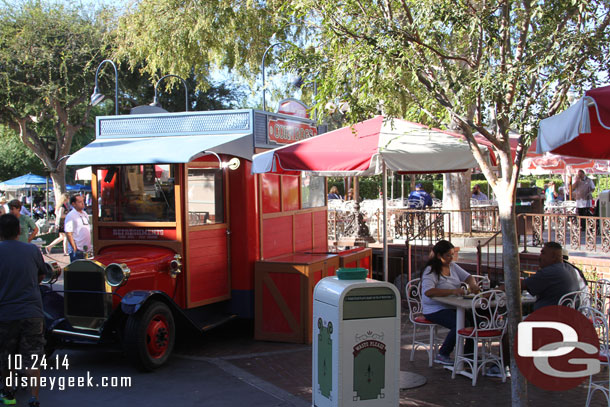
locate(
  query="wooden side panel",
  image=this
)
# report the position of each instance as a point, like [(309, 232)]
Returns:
[(207, 266), (303, 233), (270, 185), (320, 235), (284, 298), (277, 238), (290, 192)]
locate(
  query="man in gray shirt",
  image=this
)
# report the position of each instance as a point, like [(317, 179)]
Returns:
[(21, 318), (553, 280)]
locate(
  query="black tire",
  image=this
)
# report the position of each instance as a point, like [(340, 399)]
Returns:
[(150, 336)]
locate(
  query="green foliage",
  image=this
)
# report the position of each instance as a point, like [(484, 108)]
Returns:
[(15, 158), (193, 37)]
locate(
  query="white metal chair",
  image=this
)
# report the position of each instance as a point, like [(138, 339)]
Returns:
[(601, 292), (490, 317), (579, 299), (417, 318), (600, 323)]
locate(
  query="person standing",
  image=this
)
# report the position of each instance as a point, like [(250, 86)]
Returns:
[(27, 227), (21, 317), (583, 189), (60, 218), (550, 195), (420, 194), (77, 229)]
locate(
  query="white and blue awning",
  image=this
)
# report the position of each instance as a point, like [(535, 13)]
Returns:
[(159, 150)]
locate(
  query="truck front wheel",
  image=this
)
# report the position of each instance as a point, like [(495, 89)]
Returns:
[(150, 336)]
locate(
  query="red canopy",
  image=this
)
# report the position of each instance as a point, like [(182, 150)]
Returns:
[(583, 130), (360, 150)]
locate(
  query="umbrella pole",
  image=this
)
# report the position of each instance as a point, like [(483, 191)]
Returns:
[(402, 190), (385, 222), (46, 200)]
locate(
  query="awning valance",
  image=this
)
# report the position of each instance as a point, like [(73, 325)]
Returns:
[(158, 150)]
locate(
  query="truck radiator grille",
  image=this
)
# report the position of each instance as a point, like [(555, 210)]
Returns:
[(85, 304)]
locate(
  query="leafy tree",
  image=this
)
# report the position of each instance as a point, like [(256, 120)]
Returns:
[(477, 66), (49, 56), (15, 158), (193, 37)]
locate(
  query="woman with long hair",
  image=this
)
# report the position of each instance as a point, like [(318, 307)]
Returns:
[(441, 278), (60, 214)]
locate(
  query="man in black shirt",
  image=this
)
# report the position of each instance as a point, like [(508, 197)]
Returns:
[(21, 318), (553, 279)]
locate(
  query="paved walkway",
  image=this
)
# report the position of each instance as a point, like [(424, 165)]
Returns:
[(288, 366), (282, 369)]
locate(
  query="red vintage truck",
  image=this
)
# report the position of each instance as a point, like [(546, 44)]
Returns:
[(179, 223)]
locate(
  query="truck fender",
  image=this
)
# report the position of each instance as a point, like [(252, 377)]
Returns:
[(134, 300)]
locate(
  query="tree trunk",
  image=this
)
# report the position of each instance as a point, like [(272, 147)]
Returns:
[(59, 183), (510, 253), (456, 197)]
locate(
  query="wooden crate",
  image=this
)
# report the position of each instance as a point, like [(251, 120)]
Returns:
[(283, 295)]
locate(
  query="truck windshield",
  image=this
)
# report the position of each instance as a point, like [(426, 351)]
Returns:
[(142, 192)]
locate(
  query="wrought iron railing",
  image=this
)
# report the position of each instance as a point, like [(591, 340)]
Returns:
[(577, 233)]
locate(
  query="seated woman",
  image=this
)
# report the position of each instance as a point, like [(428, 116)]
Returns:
[(442, 278)]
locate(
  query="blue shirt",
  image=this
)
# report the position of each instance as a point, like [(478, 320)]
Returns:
[(423, 195), (20, 265)]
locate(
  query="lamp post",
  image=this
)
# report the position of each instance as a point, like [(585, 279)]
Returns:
[(97, 97), (186, 92), (263, 71)]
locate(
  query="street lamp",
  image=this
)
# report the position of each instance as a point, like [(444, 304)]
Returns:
[(156, 103), (97, 97), (263, 70)]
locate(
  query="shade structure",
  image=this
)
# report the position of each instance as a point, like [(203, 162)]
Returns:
[(583, 130), (156, 150), (564, 165), (360, 150), (25, 181)]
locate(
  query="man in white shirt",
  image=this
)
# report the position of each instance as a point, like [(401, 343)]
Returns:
[(77, 229), (582, 190)]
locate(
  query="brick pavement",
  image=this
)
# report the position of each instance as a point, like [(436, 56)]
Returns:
[(288, 366)]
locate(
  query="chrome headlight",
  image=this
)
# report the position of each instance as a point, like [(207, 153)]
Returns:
[(52, 272), (117, 274), (175, 266)]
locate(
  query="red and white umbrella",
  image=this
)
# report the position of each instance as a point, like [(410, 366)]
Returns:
[(559, 164), (361, 149), (583, 130)]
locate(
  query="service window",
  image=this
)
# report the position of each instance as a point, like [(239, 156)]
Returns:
[(312, 191), (141, 192), (205, 196)]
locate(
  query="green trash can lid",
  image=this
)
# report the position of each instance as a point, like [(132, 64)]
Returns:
[(352, 273)]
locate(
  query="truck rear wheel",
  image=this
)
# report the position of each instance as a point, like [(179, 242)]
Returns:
[(150, 336)]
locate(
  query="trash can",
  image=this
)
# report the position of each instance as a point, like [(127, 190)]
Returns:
[(356, 341)]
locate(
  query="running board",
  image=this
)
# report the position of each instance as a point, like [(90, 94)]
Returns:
[(63, 332), (217, 321)]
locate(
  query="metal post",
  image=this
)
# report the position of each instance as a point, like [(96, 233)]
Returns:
[(263, 72), (385, 222), (186, 91)]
